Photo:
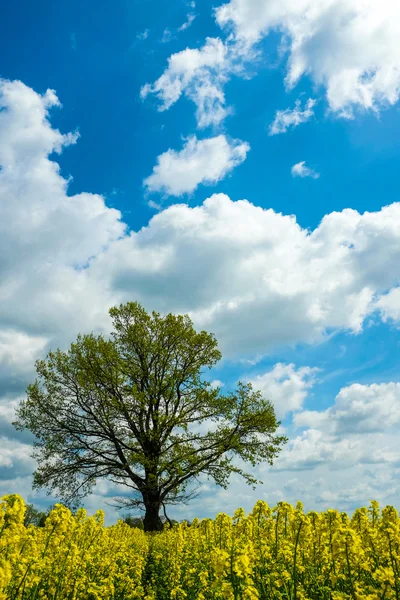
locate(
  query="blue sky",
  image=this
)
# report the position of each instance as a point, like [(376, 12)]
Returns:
[(300, 118)]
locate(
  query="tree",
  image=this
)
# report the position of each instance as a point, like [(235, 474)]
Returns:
[(33, 516), (134, 521), (129, 408)]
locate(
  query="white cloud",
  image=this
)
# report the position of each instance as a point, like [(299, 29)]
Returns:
[(154, 205), (300, 170), (8, 405), (348, 46), (285, 119), (189, 20), (360, 428), (357, 409), (215, 383), (200, 161), (17, 348), (389, 305), (42, 292), (255, 277), (166, 36), (199, 74), (285, 386), (313, 448), (143, 35), (15, 459)]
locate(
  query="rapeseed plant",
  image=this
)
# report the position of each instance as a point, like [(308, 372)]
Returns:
[(277, 553)]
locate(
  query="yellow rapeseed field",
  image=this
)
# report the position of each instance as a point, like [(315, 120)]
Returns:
[(278, 553)]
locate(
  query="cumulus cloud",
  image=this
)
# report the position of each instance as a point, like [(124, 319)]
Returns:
[(200, 161), (313, 448), (389, 305), (357, 409), (199, 74), (17, 348), (43, 291), (301, 170), (360, 428), (15, 457), (259, 278), (347, 46), (285, 386), (291, 118), (16, 447)]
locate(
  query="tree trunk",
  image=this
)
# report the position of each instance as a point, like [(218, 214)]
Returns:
[(152, 494), (152, 520)]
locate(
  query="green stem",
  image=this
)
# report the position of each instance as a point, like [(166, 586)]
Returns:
[(62, 575), (394, 568), (22, 581), (285, 522), (276, 534), (294, 562), (330, 543), (384, 591), (349, 573)]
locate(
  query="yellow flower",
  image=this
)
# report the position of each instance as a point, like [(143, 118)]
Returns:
[(203, 576), (250, 593), (227, 591), (219, 561), (5, 573), (242, 565), (84, 560)]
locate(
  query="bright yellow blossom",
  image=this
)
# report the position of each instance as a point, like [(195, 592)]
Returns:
[(266, 554)]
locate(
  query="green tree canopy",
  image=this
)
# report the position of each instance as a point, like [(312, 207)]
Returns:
[(126, 409)]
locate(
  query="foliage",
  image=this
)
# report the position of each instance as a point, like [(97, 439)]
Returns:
[(33, 516), (278, 554), (134, 521), (121, 409)]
